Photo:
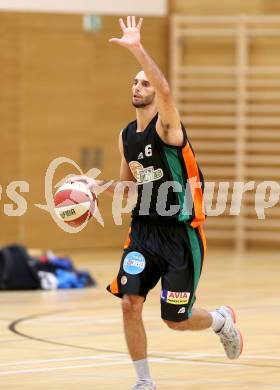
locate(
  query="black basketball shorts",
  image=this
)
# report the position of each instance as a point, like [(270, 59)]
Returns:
[(170, 252)]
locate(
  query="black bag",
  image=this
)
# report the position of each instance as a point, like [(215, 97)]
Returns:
[(16, 271)]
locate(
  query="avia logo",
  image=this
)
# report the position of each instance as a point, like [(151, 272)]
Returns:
[(175, 297), (182, 310), (141, 156), (178, 294)]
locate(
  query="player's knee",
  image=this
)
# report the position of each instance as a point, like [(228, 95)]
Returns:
[(177, 325), (132, 305)]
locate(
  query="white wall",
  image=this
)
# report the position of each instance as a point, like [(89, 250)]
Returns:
[(101, 7)]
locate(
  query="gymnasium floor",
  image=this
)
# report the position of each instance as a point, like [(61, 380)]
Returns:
[(73, 339)]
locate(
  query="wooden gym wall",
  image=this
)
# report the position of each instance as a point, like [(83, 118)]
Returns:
[(63, 91), (9, 118), (225, 73), (226, 7)]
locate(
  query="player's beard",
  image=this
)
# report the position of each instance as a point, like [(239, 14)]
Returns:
[(144, 102)]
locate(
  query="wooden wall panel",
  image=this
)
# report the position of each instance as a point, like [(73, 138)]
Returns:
[(57, 111), (208, 52), (231, 110), (213, 7), (227, 7), (9, 118), (265, 51), (75, 92), (271, 7)]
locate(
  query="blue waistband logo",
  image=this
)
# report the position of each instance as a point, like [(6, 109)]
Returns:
[(134, 263)]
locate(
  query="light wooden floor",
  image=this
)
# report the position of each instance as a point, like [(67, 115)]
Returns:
[(73, 339)]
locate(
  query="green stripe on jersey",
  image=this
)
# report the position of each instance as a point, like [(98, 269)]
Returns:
[(177, 176), (196, 255)]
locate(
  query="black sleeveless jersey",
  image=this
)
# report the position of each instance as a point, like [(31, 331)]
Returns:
[(170, 183)]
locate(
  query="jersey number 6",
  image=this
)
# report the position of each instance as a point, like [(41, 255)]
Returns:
[(148, 150)]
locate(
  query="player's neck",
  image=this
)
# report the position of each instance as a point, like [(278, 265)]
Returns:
[(144, 116)]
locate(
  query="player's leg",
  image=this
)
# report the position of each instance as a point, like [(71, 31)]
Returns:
[(201, 319), (138, 274), (132, 306), (136, 340), (178, 296)]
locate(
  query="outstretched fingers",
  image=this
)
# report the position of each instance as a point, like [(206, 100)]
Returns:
[(133, 21), (139, 25), (123, 27)]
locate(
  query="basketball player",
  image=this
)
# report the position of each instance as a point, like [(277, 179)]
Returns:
[(166, 240)]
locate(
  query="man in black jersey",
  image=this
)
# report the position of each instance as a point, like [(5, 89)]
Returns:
[(166, 240)]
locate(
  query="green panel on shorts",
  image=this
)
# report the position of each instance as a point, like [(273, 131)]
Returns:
[(177, 176), (196, 254)]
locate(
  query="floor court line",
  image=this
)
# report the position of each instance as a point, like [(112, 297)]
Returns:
[(223, 382), (41, 370), (190, 355), (59, 360), (121, 356), (120, 362), (185, 382)]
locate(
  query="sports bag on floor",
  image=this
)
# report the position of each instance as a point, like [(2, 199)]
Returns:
[(16, 271)]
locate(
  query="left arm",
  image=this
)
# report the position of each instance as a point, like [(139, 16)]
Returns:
[(168, 125)]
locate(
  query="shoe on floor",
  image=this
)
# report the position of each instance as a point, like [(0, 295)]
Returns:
[(144, 386), (230, 335)]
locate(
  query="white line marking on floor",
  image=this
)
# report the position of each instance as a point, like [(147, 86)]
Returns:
[(56, 360), (120, 360), (179, 356), (40, 370), (191, 355)]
